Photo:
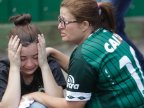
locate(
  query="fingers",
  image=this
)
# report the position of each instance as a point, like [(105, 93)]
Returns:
[(42, 57), (41, 43), (14, 43), (10, 40), (19, 49), (41, 40), (26, 98), (14, 49), (25, 102)]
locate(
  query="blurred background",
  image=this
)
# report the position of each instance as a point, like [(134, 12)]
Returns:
[(44, 15)]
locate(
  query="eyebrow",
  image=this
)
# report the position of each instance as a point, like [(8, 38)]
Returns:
[(32, 55)]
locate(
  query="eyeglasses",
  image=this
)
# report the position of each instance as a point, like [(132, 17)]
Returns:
[(63, 22)]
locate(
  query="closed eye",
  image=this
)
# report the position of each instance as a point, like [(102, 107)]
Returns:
[(23, 58), (35, 56)]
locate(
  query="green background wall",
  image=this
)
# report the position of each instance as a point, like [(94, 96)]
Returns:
[(42, 10), (136, 8)]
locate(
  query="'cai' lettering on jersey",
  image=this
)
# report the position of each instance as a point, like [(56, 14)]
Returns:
[(113, 43), (71, 83)]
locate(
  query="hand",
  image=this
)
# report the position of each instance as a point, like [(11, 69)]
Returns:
[(42, 57), (29, 96), (14, 48), (34, 96), (25, 102)]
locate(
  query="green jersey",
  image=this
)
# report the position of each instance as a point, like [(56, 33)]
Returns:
[(105, 72)]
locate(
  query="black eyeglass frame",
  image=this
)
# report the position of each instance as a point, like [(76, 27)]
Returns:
[(63, 22)]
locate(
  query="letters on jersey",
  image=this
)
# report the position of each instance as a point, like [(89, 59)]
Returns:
[(113, 43), (71, 83)]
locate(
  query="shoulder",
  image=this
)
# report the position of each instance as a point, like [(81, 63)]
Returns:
[(95, 43), (52, 62), (51, 59), (4, 63), (4, 66), (77, 58)]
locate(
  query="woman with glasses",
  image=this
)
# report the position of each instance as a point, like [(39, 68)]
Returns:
[(103, 71)]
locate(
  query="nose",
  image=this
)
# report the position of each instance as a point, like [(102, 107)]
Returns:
[(29, 64), (60, 26)]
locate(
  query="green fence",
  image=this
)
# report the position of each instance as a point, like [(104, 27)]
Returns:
[(4, 10), (49, 9), (39, 9), (136, 8), (42, 10)]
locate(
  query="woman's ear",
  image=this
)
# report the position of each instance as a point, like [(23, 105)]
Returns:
[(85, 25)]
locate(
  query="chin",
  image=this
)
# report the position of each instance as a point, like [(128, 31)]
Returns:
[(65, 39), (29, 72)]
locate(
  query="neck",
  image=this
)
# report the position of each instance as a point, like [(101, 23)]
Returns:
[(86, 35), (28, 79)]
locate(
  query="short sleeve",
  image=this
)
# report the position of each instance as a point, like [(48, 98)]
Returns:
[(81, 80), (57, 72), (3, 77)]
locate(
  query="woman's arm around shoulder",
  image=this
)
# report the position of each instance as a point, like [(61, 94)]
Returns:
[(61, 58), (55, 102)]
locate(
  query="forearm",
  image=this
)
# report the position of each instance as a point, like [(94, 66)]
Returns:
[(11, 96), (54, 102), (61, 58), (50, 85)]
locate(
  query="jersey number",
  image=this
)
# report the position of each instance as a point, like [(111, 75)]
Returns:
[(125, 61)]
